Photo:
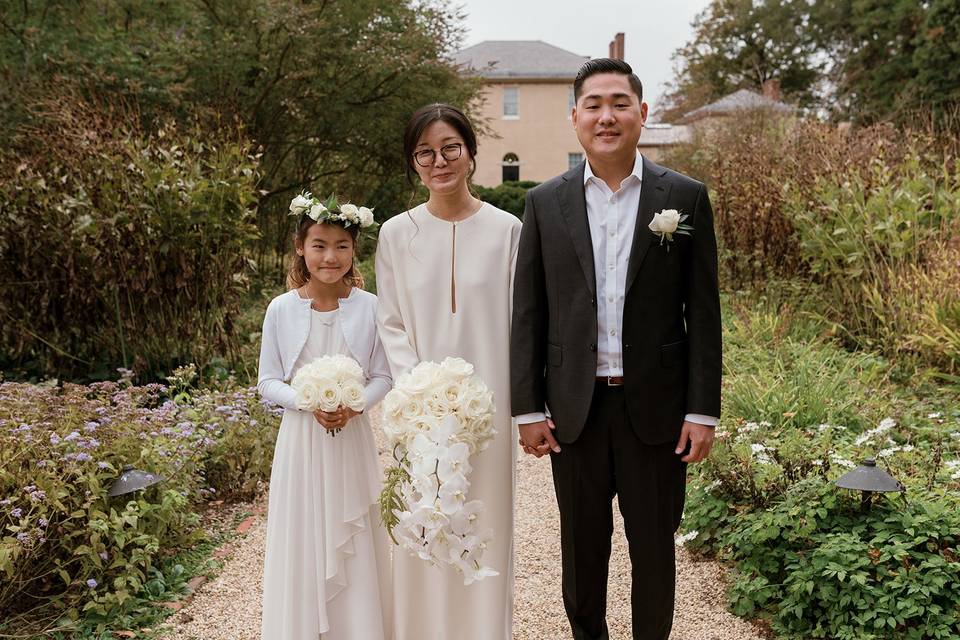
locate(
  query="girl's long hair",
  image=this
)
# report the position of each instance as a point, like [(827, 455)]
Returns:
[(299, 275)]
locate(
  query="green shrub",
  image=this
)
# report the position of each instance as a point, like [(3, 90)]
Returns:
[(884, 246), (65, 544), (509, 196), (121, 248)]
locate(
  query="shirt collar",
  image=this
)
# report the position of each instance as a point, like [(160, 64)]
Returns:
[(637, 170)]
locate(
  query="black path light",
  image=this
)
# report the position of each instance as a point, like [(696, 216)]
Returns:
[(869, 479), (131, 480)]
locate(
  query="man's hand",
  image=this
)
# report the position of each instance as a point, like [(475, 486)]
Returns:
[(536, 439), (700, 438)]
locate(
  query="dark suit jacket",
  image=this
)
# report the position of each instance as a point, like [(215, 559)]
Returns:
[(671, 312)]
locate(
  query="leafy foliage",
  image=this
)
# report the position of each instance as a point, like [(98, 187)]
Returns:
[(122, 247), (861, 60), (798, 411), (65, 542), (509, 196)]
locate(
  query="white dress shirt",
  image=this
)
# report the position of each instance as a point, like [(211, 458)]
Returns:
[(612, 217)]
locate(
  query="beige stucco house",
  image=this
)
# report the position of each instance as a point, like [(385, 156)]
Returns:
[(527, 104)]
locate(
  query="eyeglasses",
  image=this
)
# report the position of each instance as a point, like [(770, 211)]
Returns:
[(448, 152)]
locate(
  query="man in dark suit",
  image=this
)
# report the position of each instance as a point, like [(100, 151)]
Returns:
[(616, 349)]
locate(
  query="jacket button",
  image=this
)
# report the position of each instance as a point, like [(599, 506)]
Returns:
[(626, 346), (593, 347), (593, 301)]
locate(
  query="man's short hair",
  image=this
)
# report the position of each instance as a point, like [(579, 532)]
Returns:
[(606, 65)]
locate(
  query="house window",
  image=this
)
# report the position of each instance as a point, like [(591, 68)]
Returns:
[(511, 102), (511, 167), (573, 159)]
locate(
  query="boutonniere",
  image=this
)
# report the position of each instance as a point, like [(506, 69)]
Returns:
[(668, 222)]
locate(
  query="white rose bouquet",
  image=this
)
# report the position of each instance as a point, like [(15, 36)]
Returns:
[(328, 383), (435, 418)]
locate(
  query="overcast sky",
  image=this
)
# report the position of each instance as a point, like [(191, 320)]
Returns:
[(654, 29)]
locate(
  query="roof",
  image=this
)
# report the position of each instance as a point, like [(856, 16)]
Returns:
[(513, 59), (659, 135), (742, 100)]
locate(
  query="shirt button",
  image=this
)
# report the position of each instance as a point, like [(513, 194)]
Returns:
[(613, 332), (612, 233), (610, 266), (609, 298)]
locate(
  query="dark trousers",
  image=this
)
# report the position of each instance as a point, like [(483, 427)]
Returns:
[(649, 480)]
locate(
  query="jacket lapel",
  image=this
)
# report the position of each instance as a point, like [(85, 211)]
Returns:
[(654, 191), (573, 208)]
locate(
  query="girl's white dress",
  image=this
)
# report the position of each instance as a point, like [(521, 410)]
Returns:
[(327, 568)]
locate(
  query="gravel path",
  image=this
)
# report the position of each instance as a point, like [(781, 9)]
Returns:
[(228, 607)]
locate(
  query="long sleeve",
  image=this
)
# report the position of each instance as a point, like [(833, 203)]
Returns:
[(270, 382), (399, 350), (702, 313), (379, 381), (528, 331)]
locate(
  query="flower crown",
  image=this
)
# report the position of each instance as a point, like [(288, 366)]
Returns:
[(347, 214)]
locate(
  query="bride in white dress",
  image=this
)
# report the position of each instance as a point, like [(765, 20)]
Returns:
[(327, 567), (444, 279)]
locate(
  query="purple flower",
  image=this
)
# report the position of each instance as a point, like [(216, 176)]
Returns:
[(73, 435), (92, 583), (84, 457), (104, 555), (42, 463), (54, 438), (103, 465), (23, 538), (38, 496), (16, 513), (43, 522), (90, 427), (29, 488)]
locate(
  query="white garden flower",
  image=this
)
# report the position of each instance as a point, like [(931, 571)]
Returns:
[(316, 211), (685, 538)]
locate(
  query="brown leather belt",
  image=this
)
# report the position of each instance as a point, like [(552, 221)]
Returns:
[(610, 381)]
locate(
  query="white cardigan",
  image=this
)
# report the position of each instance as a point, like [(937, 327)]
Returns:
[(286, 327)]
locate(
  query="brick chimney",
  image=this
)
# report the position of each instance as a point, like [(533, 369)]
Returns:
[(616, 47), (771, 89)]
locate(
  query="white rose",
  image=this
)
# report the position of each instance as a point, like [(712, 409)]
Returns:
[(353, 396), (316, 211), (331, 397), (457, 367), (299, 204), (350, 212), (366, 217), (308, 394), (665, 222)]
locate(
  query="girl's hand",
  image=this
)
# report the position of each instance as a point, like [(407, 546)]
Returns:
[(336, 419)]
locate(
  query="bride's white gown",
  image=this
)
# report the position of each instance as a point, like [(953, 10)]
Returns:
[(445, 289)]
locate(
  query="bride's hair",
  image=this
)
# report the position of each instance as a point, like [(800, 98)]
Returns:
[(426, 116), (298, 275)]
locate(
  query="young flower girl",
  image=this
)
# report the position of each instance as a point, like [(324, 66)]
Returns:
[(327, 567)]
